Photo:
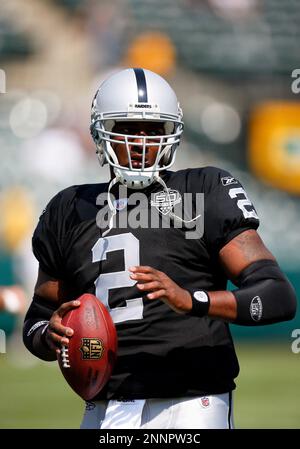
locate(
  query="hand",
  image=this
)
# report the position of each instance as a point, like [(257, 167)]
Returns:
[(56, 334), (161, 287)]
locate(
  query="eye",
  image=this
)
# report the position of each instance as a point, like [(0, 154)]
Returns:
[(122, 129), (156, 132)]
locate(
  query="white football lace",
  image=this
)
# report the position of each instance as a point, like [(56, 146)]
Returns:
[(65, 357)]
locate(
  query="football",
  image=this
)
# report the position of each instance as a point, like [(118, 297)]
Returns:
[(88, 360)]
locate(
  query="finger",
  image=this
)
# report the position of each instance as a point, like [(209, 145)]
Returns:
[(56, 326), (142, 277), (142, 269), (66, 306), (155, 285), (56, 340), (156, 295)]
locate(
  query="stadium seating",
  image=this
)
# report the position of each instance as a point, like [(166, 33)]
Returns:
[(267, 40), (14, 42)]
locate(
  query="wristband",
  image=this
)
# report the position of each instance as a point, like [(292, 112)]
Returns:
[(43, 335), (200, 302), (35, 328)]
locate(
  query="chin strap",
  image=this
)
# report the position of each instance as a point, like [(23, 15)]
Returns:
[(112, 208), (164, 185)]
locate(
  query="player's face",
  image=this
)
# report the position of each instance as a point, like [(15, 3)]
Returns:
[(137, 129)]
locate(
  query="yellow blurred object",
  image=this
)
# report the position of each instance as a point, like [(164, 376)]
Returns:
[(17, 216), (274, 144), (153, 51)]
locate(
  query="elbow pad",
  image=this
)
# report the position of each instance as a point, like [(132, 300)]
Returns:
[(265, 295), (35, 324)]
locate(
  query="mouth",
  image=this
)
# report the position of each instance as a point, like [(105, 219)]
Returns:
[(138, 164), (137, 160)]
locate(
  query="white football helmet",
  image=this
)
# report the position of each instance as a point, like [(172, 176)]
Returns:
[(136, 95)]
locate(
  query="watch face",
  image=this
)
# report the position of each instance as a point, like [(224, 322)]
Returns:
[(201, 296)]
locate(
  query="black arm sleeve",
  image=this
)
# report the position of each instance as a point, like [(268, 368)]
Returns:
[(48, 247), (35, 323), (228, 209), (265, 295)]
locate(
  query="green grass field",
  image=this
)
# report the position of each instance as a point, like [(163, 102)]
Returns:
[(268, 387), (267, 395)]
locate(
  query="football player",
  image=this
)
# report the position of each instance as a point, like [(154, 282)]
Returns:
[(159, 259)]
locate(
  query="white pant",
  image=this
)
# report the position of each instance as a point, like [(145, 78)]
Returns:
[(205, 412)]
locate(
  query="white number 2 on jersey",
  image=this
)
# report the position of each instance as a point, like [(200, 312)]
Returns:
[(106, 281), (241, 203)]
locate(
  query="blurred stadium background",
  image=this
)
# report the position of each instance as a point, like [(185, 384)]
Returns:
[(232, 64)]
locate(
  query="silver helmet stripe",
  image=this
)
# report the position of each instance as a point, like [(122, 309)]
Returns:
[(141, 85)]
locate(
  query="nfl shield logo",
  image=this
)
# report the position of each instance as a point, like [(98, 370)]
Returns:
[(205, 401), (164, 201), (121, 203), (91, 348)]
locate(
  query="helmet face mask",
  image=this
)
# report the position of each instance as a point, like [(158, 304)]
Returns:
[(119, 100)]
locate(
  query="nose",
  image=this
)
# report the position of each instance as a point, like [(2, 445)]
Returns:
[(137, 142), (138, 136)]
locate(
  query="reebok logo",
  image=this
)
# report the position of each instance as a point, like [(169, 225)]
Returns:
[(228, 180)]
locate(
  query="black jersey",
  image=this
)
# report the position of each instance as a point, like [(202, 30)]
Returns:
[(161, 353)]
